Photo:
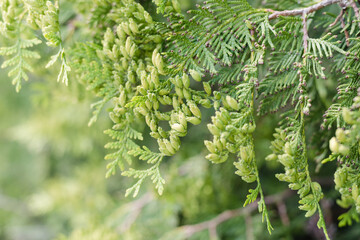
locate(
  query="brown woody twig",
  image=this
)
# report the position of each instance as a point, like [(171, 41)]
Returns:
[(356, 11), (301, 11), (347, 36), (305, 31), (340, 16)]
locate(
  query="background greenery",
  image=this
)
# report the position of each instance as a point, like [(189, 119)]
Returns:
[(52, 183)]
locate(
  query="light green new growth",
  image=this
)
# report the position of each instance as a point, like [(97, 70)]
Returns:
[(19, 20), (19, 60)]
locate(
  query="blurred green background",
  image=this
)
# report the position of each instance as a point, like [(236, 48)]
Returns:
[(52, 183)]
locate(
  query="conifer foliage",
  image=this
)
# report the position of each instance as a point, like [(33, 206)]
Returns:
[(241, 61)]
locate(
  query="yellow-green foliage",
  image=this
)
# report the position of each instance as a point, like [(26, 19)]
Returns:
[(148, 72), (19, 20)]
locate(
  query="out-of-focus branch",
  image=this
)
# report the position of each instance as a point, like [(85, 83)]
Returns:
[(283, 212), (249, 227), (211, 224), (11, 204), (134, 208)]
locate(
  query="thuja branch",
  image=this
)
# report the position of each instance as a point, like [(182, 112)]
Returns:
[(211, 225), (306, 10)]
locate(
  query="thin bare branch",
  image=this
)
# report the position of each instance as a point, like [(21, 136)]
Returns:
[(340, 16), (356, 11), (305, 31), (347, 36), (306, 10), (190, 230)]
